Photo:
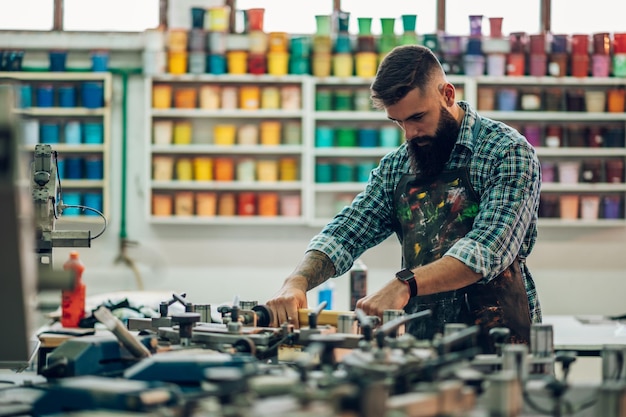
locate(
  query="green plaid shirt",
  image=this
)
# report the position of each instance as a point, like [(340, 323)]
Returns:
[(504, 171)]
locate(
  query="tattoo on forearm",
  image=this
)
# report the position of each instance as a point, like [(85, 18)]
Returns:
[(316, 267)]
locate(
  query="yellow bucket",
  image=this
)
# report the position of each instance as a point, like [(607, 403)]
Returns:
[(343, 65), (267, 170), (224, 134), (218, 20), (184, 169), (288, 169), (203, 168), (162, 96), (277, 63), (366, 64), (182, 133), (278, 42), (237, 62), (177, 62), (270, 133), (177, 40), (322, 64), (270, 98), (249, 97)]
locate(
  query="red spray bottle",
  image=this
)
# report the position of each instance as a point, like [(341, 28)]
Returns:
[(73, 301)]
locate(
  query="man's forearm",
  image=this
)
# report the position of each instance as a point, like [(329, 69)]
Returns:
[(315, 267)]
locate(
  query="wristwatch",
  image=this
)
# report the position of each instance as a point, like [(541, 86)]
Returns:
[(408, 277)]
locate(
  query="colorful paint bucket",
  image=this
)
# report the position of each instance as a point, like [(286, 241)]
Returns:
[(218, 19), (268, 204), (246, 170), (94, 167), (246, 204), (206, 203), (249, 97), (73, 132), (237, 62), (226, 204), (224, 169), (248, 134), (343, 65), (210, 97), (270, 98), (224, 134), (184, 169), (324, 136), (267, 170), (203, 168), (162, 168), (161, 96), (185, 98), (93, 132), (346, 137), (288, 168), (278, 63), (67, 96), (94, 201), (49, 132), (182, 132), (177, 62), (270, 132)]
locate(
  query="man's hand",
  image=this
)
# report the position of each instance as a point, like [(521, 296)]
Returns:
[(285, 305), (393, 296)]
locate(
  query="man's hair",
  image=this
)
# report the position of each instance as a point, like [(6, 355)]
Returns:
[(405, 68)]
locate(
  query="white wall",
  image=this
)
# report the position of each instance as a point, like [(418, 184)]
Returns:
[(577, 270)]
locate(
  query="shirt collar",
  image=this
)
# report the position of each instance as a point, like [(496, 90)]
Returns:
[(466, 136)]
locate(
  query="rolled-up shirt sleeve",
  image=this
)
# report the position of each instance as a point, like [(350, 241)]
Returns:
[(508, 206)]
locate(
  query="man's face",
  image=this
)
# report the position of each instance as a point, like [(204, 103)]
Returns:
[(429, 129)]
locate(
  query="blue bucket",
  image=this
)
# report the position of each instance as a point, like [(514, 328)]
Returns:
[(94, 201), (93, 95), (94, 168), (67, 96), (49, 132), (74, 168), (73, 133), (92, 133), (71, 199), (45, 95)]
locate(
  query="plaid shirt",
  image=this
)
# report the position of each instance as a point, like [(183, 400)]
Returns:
[(504, 171)]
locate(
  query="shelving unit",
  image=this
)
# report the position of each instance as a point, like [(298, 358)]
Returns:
[(254, 167), (328, 163), (71, 111)]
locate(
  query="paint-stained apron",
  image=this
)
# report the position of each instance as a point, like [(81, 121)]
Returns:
[(432, 215)]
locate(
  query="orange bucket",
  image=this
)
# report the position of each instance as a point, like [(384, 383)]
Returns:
[(224, 169), (162, 204), (185, 98), (206, 203), (226, 204), (183, 203), (268, 204)]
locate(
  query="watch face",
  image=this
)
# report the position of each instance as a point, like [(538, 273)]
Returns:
[(405, 274)]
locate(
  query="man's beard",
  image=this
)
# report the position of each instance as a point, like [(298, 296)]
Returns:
[(431, 159)]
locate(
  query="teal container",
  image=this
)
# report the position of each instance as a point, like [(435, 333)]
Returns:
[(93, 133), (299, 65), (431, 41), (344, 172), (343, 44), (323, 100), (300, 46), (388, 25), (619, 65), (409, 22), (346, 137), (94, 201), (323, 172), (343, 100), (389, 137), (367, 137), (324, 137), (363, 170)]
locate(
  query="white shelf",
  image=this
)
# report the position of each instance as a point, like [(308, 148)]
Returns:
[(64, 114), (228, 220), (228, 185), (217, 114), (315, 196), (234, 149)]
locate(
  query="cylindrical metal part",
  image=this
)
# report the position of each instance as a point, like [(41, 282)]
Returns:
[(515, 358), (390, 315), (346, 323), (541, 340), (614, 363), (611, 399), (503, 395), (451, 328), (247, 305), (205, 312)]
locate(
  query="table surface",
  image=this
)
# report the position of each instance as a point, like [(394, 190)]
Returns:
[(585, 333)]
